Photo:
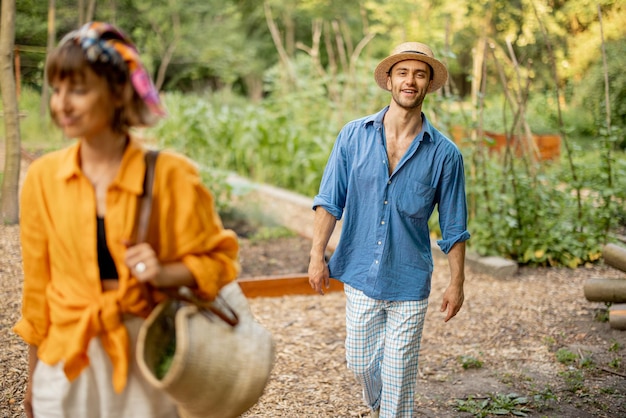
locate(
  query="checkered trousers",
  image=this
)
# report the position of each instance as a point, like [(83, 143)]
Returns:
[(382, 349)]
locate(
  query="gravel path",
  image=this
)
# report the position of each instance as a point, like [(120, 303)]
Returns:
[(514, 327)]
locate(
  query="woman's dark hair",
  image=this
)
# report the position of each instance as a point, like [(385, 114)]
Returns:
[(68, 61)]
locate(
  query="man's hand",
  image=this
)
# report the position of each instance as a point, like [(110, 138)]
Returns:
[(453, 299), (319, 276)]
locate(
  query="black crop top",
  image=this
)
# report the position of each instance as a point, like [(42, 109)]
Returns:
[(105, 261)]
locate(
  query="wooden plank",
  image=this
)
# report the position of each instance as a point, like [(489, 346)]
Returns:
[(274, 286)]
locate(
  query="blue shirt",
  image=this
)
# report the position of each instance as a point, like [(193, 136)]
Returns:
[(385, 249)]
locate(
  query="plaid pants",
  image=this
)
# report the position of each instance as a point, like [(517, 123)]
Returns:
[(382, 349)]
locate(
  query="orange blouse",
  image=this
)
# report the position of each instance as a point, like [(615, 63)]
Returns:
[(63, 304)]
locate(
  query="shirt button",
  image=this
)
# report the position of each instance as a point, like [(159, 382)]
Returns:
[(379, 242), (386, 202), (376, 261), (389, 182), (382, 222)]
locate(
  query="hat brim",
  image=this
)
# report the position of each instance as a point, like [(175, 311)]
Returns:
[(440, 73)]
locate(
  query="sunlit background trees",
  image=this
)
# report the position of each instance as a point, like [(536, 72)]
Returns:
[(261, 88)]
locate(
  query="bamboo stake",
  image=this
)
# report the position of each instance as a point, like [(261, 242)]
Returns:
[(560, 116), (607, 100)]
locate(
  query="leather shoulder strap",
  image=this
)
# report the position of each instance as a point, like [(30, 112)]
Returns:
[(144, 209)]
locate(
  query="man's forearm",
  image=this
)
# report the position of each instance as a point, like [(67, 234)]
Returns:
[(456, 260), (323, 227)]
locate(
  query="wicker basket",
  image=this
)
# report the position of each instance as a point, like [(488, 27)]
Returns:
[(217, 370)]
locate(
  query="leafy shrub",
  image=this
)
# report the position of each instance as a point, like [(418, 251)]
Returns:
[(531, 218), (253, 141)]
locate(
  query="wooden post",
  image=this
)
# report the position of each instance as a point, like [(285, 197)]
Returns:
[(615, 256), (617, 316), (605, 290)]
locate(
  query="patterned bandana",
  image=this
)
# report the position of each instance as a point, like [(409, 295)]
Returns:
[(103, 42)]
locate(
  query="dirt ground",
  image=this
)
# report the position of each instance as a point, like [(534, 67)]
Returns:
[(501, 349)]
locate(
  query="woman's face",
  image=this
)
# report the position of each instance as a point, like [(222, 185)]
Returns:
[(82, 105)]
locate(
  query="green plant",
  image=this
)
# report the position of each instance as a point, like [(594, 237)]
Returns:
[(166, 356), (470, 362), (589, 91), (495, 404), (564, 356), (265, 233), (615, 347), (549, 340), (217, 183), (542, 398), (261, 142), (602, 315), (36, 132), (586, 362), (609, 391), (574, 380), (522, 216), (615, 363)]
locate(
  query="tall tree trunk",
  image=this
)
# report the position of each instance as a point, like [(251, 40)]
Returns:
[(11, 178), (91, 11), (278, 43), (45, 94), (81, 12), (171, 48), (113, 7)]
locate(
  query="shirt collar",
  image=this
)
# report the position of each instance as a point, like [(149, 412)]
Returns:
[(127, 177), (377, 121)]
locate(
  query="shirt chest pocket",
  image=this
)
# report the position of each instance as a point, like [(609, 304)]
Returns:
[(416, 200)]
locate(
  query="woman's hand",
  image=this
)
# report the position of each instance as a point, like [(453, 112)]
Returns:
[(143, 263)]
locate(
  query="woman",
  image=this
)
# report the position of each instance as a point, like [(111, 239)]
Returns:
[(82, 298)]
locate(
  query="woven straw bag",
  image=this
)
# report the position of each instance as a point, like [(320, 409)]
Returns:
[(217, 370), (223, 357)]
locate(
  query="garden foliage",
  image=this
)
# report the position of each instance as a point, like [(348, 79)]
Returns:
[(526, 210)]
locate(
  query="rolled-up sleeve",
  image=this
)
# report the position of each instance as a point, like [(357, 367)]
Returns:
[(452, 203), (190, 229), (334, 184)]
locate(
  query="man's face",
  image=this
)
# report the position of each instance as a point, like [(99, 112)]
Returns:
[(408, 82)]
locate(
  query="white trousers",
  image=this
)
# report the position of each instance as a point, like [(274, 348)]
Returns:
[(91, 394)]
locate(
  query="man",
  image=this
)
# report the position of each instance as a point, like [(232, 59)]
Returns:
[(386, 173)]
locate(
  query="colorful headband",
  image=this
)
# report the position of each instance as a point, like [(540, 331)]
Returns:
[(103, 42)]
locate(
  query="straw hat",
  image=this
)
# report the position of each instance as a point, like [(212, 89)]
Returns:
[(412, 51)]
